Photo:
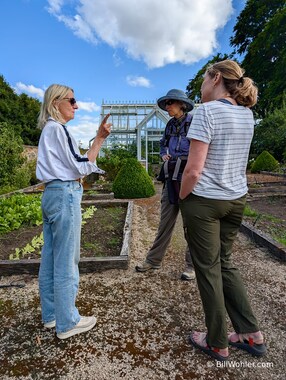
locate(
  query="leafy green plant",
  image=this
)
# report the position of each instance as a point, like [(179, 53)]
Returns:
[(277, 231), (113, 158), (113, 242), (18, 210), (11, 154), (35, 245), (248, 211), (265, 161), (271, 225), (111, 165), (88, 213), (133, 181), (93, 246)]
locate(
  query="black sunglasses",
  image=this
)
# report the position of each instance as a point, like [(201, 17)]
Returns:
[(71, 100), (169, 102)]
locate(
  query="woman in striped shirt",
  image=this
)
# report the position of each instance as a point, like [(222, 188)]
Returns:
[(212, 200)]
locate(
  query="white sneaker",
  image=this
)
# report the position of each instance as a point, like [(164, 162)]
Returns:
[(85, 324), (50, 325)]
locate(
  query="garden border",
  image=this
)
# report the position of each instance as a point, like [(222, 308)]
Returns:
[(279, 251), (86, 264)]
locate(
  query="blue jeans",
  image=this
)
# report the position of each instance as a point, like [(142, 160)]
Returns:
[(59, 274)]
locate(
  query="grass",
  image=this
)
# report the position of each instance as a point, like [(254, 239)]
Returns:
[(113, 242), (248, 211), (271, 225)]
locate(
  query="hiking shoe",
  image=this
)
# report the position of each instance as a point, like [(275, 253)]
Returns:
[(188, 275), (85, 324), (144, 267), (50, 325)]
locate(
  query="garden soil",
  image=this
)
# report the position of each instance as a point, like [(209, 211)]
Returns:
[(143, 319)]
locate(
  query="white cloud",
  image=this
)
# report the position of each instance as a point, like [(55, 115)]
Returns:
[(83, 129), (79, 27), (116, 59), (29, 89), (88, 106), (136, 81), (156, 32), (39, 93), (55, 5)]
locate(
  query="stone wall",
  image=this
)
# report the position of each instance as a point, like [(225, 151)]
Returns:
[(30, 152)]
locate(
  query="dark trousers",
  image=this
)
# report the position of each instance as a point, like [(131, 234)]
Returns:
[(211, 227), (168, 218)]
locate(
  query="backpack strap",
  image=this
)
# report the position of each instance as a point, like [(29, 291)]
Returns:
[(167, 133), (168, 130)]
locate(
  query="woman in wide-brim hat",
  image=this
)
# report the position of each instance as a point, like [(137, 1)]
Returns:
[(176, 95), (174, 150)]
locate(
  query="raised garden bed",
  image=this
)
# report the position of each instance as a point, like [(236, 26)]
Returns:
[(104, 245), (267, 197)]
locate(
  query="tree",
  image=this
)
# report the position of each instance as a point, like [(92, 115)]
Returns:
[(260, 34), (28, 111), (194, 86), (11, 159), (270, 135), (20, 112)]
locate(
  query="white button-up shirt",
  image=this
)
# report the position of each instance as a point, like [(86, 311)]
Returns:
[(59, 156)]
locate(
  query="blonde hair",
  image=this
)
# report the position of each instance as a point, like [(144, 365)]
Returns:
[(49, 107), (241, 88)]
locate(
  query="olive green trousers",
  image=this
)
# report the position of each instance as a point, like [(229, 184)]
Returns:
[(211, 227)]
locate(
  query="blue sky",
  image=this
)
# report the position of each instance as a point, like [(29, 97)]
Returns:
[(111, 50)]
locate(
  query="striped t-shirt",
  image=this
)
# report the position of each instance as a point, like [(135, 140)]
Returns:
[(228, 130)]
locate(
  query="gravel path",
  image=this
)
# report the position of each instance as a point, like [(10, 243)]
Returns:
[(143, 319)]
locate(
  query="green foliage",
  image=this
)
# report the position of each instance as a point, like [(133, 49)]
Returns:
[(132, 181), (34, 246), (121, 151), (260, 35), (112, 160), (20, 112), (111, 165), (249, 212), (264, 162), (270, 135), (21, 177), (31, 167), (11, 158), (7, 189), (194, 86), (151, 171), (18, 210), (88, 213), (15, 171)]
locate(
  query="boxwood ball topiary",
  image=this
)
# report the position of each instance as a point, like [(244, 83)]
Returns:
[(132, 181), (264, 162)]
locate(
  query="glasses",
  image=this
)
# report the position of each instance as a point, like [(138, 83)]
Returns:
[(71, 100), (169, 102)]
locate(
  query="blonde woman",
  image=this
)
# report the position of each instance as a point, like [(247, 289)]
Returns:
[(213, 196), (61, 166)]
